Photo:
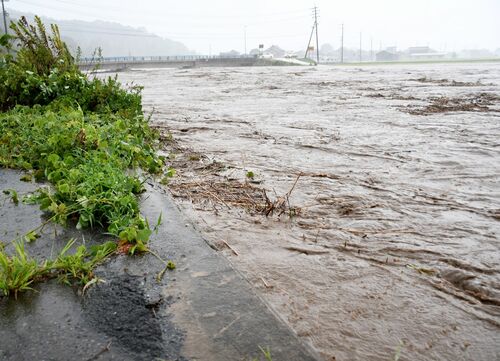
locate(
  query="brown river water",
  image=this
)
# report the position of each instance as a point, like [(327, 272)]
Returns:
[(395, 250)]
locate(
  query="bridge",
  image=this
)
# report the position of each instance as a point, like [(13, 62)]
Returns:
[(119, 63), (176, 61)]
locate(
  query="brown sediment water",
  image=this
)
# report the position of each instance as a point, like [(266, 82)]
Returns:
[(396, 246)]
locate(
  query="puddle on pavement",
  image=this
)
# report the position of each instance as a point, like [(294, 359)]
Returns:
[(400, 211)]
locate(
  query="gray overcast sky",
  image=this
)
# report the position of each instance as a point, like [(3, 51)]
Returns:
[(219, 24)]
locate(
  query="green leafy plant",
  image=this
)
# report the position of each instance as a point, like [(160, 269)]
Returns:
[(266, 353), (170, 173), (19, 272), (31, 236), (85, 138), (87, 159), (39, 50), (5, 45), (79, 265), (81, 135), (13, 195), (26, 178), (43, 71)]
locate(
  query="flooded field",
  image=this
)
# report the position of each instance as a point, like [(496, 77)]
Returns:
[(363, 203)]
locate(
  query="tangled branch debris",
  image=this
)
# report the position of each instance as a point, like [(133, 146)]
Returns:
[(447, 82), (209, 183), (235, 194), (481, 102)]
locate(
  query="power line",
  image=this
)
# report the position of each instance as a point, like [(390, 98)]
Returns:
[(178, 36), (187, 14), (96, 29), (224, 26), (110, 33), (163, 15), (278, 17), (284, 20), (44, 6)]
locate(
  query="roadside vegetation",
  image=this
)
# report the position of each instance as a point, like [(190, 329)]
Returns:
[(83, 137)]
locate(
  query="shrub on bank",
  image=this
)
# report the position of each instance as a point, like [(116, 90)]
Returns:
[(84, 136)]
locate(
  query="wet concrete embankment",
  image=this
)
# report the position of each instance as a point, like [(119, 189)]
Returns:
[(204, 310)]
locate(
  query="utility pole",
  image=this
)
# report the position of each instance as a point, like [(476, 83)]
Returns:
[(4, 17), (342, 45), (245, 40), (309, 42), (316, 26), (371, 49), (360, 47)]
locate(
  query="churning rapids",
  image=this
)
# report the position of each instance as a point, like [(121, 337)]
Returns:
[(395, 248)]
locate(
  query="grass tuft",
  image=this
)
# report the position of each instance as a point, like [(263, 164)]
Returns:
[(19, 272)]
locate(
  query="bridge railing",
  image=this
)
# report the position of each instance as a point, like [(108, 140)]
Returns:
[(167, 58)]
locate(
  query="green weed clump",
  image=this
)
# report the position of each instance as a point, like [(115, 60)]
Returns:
[(19, 272), (40, 70), (86, 157), (85, 137)]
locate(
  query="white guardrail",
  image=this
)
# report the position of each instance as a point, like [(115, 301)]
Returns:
[(170, 58)]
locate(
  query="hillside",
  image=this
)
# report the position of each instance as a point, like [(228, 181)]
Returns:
[(115, 39)]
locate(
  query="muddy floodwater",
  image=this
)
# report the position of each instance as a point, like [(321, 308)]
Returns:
[(385, 236)]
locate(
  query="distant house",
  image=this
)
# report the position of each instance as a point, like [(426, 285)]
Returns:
[(424, 53), (476, 53), (267, 56), (428, 56), (419, 50), (385, 55), (276, 51)]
